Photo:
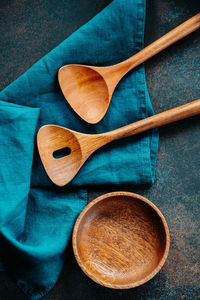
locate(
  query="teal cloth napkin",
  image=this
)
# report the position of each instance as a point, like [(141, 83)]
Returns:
[(36, 217)]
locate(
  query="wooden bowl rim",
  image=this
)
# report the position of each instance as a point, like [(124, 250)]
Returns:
[(135, 283)]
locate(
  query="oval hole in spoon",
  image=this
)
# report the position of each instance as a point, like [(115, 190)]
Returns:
[(85, 90), (62, 152)]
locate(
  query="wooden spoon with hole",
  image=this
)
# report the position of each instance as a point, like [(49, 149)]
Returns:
[(52, 139), (89, 89)]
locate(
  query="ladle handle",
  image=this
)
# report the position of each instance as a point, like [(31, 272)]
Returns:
[(169, 116), (165, 41)]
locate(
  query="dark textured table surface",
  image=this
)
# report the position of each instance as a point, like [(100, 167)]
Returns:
[(30, 29)]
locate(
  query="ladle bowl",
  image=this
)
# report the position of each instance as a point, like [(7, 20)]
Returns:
[(121, 240), (95, 101)]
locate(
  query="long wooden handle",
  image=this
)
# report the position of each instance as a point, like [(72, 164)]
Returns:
[(165, 41), (169, 116)]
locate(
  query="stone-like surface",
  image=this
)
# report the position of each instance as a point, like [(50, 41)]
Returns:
[(30, 29)]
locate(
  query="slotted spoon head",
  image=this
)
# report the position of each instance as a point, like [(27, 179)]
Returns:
[(52, 140)]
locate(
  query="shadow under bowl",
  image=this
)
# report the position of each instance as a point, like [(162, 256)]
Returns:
[(121, 240)]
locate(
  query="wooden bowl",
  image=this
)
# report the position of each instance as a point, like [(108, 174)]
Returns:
[(121, 240)]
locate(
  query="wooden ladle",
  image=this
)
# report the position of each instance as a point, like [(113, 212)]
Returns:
[(89, 89), (64, 151)]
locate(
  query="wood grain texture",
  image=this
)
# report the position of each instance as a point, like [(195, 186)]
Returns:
[(51, 138), (121, 240), (89, 89)]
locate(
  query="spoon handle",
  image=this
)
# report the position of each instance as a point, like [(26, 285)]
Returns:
[(165, 41), (169, 116)]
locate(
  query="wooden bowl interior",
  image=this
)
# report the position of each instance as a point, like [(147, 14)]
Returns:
[(120, 241)]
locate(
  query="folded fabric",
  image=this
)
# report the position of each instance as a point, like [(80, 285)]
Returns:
[(36, 217)]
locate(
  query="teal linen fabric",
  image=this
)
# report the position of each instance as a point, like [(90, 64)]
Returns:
[(36, 217)]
